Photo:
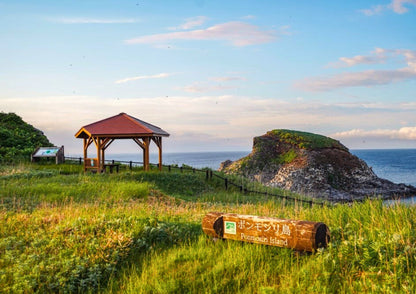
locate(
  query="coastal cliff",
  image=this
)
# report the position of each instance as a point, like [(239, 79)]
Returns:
[(313, 165)]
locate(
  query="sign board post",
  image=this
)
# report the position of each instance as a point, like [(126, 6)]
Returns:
[(294, 234)]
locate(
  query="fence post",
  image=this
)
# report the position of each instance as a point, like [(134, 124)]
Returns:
[(226, 183), (169, 168), (80, 161), (131, 165), (210, 174)]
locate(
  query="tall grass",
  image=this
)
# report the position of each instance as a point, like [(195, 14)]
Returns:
[(66, 231), (372, 251)]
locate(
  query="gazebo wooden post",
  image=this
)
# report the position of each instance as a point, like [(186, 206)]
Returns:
[(104, 144), (85, 153), (87, 142), (146, 160), (141, 145), (160, 153), (158, 142), (98, 145), (102, 154), (144, 156)]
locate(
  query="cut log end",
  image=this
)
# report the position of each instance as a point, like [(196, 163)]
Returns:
[(322, 236), (213, 225)]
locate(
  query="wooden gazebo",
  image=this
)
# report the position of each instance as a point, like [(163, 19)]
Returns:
[(122, 126)]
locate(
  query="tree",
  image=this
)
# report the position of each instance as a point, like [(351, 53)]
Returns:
[(19, 139)]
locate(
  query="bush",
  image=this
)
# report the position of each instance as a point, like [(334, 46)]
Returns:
[(18, 140)]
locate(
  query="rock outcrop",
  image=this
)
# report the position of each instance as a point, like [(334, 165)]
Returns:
[(313, 165)]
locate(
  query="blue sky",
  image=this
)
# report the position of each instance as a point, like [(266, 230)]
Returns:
[(213, 74)]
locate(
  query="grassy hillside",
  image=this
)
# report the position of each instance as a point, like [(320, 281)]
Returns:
[(18, 139), (134, 232)]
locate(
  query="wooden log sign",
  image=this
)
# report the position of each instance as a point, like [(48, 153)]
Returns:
[(298, 235)]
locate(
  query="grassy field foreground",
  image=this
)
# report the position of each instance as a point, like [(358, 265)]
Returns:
[(133, 232)]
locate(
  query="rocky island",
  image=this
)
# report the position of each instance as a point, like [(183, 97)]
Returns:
[(312, 165)]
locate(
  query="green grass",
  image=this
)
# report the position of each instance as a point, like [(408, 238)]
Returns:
[(134, 232), (364, 255), (305, 140)]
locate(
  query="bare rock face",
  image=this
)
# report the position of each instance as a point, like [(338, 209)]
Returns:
[(225, 164), (314, 165)]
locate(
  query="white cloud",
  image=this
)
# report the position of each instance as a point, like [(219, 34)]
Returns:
[(359, 59), (364, 78), (216, 118), (237, 33), (191, 23), (285, 30), (157, 76), (410, 57), (222, 84), (398, 6), (227, 79), (356, 79), (81, 20), (375, 10), (378, 56), (379, 107), (204, 87), (404, 133)]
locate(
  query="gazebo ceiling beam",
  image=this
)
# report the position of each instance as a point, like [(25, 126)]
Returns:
[(88, 142), (107, 142), (96, 141), (140, 143), (158, 141)]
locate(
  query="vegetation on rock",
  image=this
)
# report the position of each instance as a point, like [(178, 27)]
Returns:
[(18, 139), (305, 140)]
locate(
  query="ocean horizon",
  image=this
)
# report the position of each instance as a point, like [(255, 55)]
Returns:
[(396, 165)]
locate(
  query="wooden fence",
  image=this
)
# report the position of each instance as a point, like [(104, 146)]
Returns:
[(209, 174)]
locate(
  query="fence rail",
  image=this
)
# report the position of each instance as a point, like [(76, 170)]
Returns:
[(130, 163), (209, 174)]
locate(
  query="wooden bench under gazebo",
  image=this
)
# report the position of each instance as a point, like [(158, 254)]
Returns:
[(122, 126)]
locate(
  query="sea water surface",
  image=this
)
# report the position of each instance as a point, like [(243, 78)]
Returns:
[(195, 159), (396, 165)]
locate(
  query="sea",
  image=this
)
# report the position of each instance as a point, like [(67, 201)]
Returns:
[(396, 165)]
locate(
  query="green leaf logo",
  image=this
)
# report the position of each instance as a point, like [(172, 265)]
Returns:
[(230, 227)]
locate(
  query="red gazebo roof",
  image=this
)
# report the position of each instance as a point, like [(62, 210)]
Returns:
[(120, 126)]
